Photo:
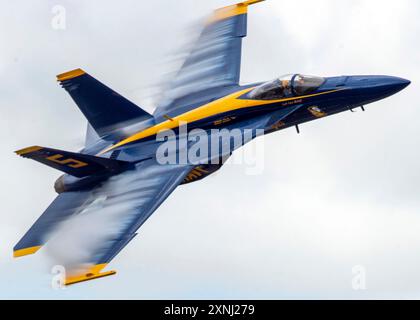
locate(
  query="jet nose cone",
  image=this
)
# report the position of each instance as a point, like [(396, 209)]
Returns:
[(396, 83), (405, 83), (386, 85), (368, 89)]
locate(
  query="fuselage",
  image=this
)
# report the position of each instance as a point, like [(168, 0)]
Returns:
[(239, 108), (334, 95)]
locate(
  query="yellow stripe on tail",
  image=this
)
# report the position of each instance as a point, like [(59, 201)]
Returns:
[(70, 74)]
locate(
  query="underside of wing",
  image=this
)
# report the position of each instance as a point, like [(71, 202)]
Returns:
[(214, 61)]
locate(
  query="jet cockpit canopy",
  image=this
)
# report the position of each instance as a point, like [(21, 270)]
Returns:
[(286, 86)]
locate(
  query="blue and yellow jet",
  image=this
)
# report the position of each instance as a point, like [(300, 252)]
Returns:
[(121, 137)]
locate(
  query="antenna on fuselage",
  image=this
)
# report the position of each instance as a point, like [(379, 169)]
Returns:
[(297, 129), (362, 107)]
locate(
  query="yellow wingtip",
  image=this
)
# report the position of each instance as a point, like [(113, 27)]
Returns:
[(25, 251), (28, 150), (91, 274), (250, 2), (70, 74), (232, 10)]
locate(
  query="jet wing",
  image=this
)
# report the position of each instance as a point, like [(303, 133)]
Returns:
[(64, 206), (214, 61), (103, 220)]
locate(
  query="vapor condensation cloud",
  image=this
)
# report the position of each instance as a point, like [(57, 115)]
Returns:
[(344, 193)]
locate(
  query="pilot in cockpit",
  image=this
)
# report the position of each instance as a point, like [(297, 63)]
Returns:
[(286, 87)]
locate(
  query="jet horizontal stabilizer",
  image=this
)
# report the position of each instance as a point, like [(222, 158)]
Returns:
[(76, 164)]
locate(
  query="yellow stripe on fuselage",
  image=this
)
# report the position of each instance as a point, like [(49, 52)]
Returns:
[(222, 105)]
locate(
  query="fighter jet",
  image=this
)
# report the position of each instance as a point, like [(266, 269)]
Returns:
[(120, 169)]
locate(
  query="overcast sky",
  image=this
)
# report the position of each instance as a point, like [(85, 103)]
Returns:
[(344, 193)]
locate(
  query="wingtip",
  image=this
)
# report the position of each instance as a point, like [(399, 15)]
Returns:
[(28, 150), (232, 10), (70, 74), (91, 274), (250, 2), (25, 251)]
